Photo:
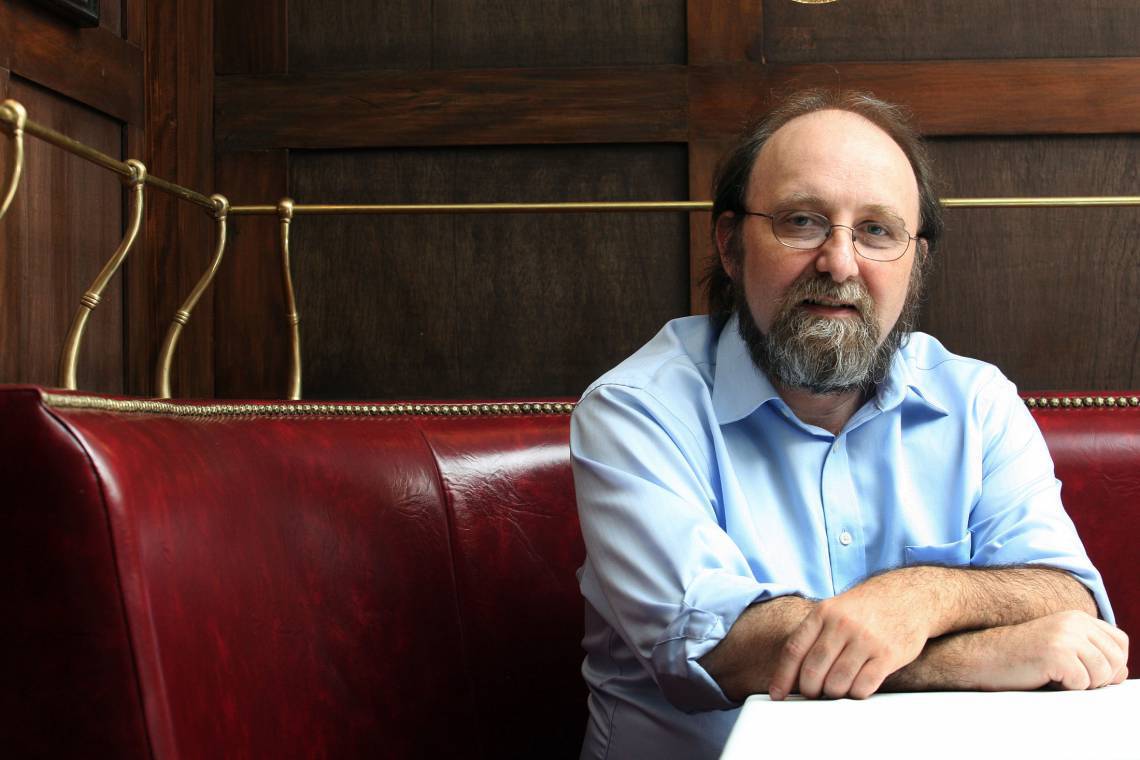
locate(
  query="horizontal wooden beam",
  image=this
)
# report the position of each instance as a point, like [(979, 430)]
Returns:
[(39, 48), (661, 103), (998, 97), (460, 107)]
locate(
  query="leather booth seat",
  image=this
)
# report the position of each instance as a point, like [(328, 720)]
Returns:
[(292, 579)]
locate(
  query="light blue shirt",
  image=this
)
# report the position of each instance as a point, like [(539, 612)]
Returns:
[(701, 493)]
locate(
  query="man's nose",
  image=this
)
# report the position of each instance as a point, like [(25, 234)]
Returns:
[(837, 254)]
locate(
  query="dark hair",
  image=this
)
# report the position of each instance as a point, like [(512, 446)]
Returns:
[(730, 186)]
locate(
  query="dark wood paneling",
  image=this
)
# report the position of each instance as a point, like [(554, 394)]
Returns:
[(251, 37), (492, 306), (901, 30), (495, 33), (251, 341), (94, 66), (1049, 295), (452, 108), (947, 97), (179, 148), (111, 16), (330, 35), (62, 227), (374, 34), (723, 31)]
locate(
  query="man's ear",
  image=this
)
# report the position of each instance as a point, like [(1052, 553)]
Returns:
[(725, 227)]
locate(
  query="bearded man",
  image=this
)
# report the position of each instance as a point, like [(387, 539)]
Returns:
[(799, 493)]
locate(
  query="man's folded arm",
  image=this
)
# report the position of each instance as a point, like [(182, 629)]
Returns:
[(850, 644), (1070, 650)]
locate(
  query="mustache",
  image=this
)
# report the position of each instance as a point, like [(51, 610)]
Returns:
[(820, 287)]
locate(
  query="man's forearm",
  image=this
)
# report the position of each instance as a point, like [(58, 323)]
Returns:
[(743, 662), (1070, 649), (967, 599)]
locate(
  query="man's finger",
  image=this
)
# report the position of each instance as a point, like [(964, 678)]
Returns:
[(870, 678), (819, 661), (792, 655), (843, 671)]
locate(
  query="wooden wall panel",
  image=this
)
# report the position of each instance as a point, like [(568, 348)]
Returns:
[(329, 35), (179, 235), (64, 224), (905, 30), (1049, 295), (251, 341), (94, 66), (491, 306)]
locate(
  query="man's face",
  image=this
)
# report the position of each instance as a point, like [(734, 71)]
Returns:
[(819, 315)]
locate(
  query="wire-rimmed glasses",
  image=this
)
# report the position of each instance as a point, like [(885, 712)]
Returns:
[(877, 240)]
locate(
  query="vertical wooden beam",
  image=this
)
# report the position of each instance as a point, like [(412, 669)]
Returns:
[(179, 147), (251, 344), (718, 32)]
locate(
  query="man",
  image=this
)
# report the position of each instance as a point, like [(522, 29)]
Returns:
[(797, 493)]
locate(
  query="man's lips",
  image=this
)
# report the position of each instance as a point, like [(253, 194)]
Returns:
[(829, 307)]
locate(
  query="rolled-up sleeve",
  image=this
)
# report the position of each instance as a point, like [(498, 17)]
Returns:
[(660, 567), (1018, 517)]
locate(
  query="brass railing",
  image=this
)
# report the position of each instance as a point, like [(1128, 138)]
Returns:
[(14, 121)]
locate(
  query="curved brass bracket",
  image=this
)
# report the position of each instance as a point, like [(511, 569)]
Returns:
[(182, 316), (285, 214), (15, 116), (70, 356)]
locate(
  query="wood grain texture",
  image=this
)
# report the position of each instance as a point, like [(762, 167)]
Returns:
[(330, 35), (94, 66), (1049, 295), (947, 97), (452, 108), (905, 30), (251, 37), (111, 16), (483, 306), (704, 156), (63, 225), (179, 236), (251, 342), (725, 32)]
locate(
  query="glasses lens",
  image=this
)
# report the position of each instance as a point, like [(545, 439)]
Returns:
[(881, 240), (800, 229)]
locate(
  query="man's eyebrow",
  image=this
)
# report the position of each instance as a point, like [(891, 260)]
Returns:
[(812, 201)]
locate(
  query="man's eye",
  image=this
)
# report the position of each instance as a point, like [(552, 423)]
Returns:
[(801, 220), (874, 229)]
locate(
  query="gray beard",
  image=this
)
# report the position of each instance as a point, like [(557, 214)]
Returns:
[(819, 354)]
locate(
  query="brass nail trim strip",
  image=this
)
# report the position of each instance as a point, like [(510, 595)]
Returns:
[(69, 358), (1082, 402), (306, 409), (182, 316), (366, 409), (16, 117)]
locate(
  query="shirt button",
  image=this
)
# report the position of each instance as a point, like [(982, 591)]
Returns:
[(845, 538)]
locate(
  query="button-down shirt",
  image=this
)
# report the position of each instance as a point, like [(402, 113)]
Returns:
[(700, 493)]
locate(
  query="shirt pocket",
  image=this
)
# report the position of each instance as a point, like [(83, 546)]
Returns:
[(953, 553)]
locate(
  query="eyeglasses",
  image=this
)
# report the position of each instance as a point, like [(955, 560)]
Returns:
[(805, 230)]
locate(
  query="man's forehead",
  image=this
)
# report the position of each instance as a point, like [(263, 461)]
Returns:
[(826, 152)]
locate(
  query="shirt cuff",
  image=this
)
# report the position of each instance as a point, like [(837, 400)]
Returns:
[(696, 631)]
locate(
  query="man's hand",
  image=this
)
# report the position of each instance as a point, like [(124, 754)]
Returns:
[(1069, 650), (849, 644)]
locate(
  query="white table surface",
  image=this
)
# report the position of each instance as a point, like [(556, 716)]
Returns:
[(1102, 724)]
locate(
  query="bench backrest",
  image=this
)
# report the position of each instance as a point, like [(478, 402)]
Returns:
[(334, 580)]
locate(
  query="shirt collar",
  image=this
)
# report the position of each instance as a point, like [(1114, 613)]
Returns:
[(740, 388)]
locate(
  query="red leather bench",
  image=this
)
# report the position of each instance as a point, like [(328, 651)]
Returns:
[(336, 580)]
